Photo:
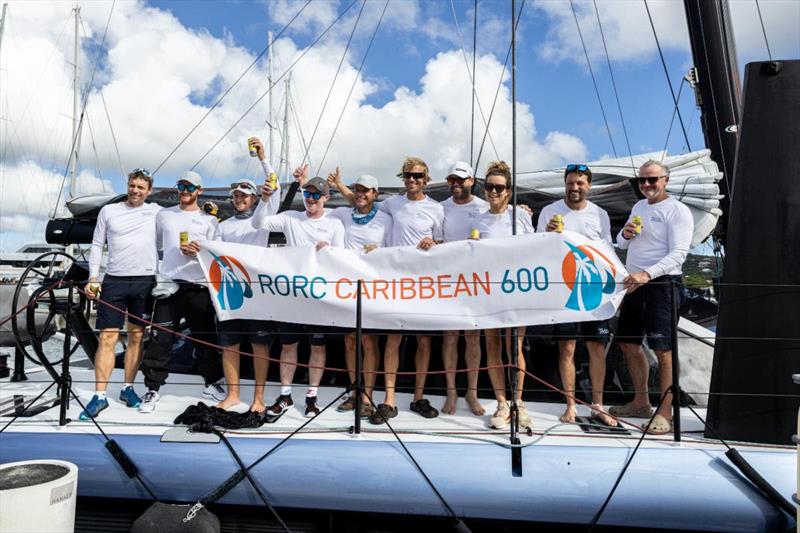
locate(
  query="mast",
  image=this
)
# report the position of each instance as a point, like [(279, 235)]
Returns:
[(269, 114), (73, 182), (285, 145), (719, 97)]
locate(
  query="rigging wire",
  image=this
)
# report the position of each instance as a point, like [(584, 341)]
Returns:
[(469, 74), (94, 150), (666, 73), (497, 91), (113, 135), (228, 90), (298, 126), (265, 93), (672, 120), (353, 85), (333, 82), (474, 77), (614, 85), (763, 30), (594, 81)]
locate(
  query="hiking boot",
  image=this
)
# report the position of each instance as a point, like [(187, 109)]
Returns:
[(149, 401), (424, 408), (277, 409), (348, 405), (129, 397), (501, 416), (93, 408), (525, 420), (215, 390), (383, 413), (312, 409)]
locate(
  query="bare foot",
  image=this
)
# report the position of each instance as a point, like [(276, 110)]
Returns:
[(257, 406), (603, 417), (449, 407), (228, 402), (569, 415), (474, 404)]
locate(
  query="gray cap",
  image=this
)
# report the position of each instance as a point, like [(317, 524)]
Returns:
[(245, 186), (318, 183), (191, 177), (365, 180), (462, 169)]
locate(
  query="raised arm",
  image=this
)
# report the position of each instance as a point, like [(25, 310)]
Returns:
[(335, 180)]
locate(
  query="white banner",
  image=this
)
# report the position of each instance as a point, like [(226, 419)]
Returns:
[(543, 278)]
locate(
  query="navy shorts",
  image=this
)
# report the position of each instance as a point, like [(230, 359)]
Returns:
[(593, 330), (648, 312), (128, 293), (233, 332), (317, 335)]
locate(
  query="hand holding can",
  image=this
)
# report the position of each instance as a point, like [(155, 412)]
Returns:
[(558, 220), (251, 146), (637, 222)]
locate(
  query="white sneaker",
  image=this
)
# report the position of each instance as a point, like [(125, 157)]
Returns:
[(501, 416), (149, 401), (215, 391), (525, 420)]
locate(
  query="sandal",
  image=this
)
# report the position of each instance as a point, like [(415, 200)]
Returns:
[(628, 410), (658, 426), (424, 408)]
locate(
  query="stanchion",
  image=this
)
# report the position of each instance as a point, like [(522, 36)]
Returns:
[(676, 369), (65, 381), (359, 364), (19, 366), (516, 451)]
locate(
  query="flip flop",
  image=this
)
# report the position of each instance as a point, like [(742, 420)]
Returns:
[(658, 426), (597, 416)]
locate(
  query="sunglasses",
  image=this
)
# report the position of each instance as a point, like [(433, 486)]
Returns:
[(313, 195), (414, 175), (186, 187), (651, 180), (452, 180), (141, 171), (499, 187), (576, 168)]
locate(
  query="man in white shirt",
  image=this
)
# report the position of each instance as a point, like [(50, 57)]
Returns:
[(417, 220), (580, 215), (312, 227), (658, 235), (178, 230), (461, 213), (231, 333), (365, 228), (129, 229)]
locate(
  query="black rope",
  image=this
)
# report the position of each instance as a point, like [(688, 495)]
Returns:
[(763, 30), (594, 81), (666, 73), (614, 86), (600, 511), (353, 86), (333, 84), (275, 82), (230, 88)]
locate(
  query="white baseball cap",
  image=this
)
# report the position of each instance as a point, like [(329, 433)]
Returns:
[(245, 186), (462, 169), (365, 180), (191, 177)]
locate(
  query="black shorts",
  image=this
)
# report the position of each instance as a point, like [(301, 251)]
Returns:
[(317, 335), (593, 330), (648, 312), (128, 293), (233, 332)]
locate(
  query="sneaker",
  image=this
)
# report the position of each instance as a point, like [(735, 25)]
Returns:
[(276, 410), (129, 397), (348, 405), (366, 409), (383, 413), (525, 420), (149, 401), (215, 390), (93, 408), (312, 409), (501, 416)]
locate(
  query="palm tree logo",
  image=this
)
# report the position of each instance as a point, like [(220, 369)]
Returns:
[(584, 277), (231, 281)]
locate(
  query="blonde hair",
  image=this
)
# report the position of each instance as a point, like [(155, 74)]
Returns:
[(410, 162)]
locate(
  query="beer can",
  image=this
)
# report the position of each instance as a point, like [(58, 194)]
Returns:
[(475, 234), (559, 220), (94, 288), (273, 181), (184, 237), (637, 221), (252, 147)]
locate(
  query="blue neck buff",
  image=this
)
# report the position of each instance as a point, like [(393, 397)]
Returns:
[(243, 214), (362, 219)]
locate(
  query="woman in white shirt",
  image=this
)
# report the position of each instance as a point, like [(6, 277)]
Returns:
[(497, 222)]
